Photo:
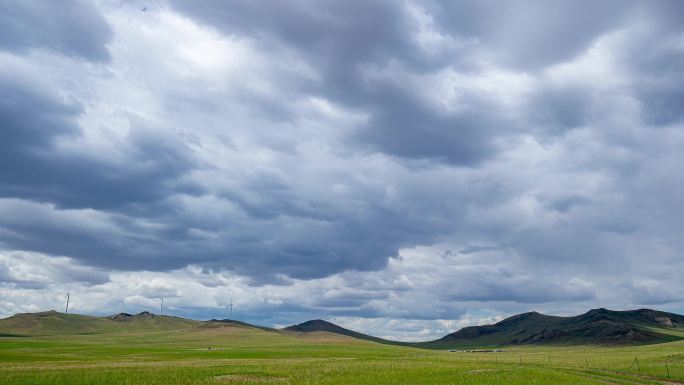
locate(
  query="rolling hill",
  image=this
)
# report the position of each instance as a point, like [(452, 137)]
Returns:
[(597, 326), (52, 322), (320, 325), (240, 323)]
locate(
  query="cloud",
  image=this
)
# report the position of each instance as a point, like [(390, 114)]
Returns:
[(529, 35), (406, 166), (45, 155), (398, 302), (74, 28), (350, 52), (38, 271)]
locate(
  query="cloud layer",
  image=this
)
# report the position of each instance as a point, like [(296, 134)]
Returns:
[(409, 167)]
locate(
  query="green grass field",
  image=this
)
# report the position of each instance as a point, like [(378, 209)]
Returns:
[(224, 354)]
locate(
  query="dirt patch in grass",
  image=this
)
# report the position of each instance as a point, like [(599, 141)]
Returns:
[(490, 370), (248, 378)]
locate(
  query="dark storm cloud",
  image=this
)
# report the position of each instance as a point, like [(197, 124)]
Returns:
[(72, 27), (340, 39), (556, 109), (163, 236), (23, 129), (405, 128), (566, 203), (530, 34), (477, 249), (334, 33), (343, 40), (320, 239), (657, 66), (33, 167), (511, 286), (538, 138)]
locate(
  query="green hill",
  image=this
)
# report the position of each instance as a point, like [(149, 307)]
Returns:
[(240, 323), (598, 326), (320, 325), (52, 323)]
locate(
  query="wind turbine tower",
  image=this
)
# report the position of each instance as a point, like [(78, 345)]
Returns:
[(66, 310), (161, 307), (231, 307)]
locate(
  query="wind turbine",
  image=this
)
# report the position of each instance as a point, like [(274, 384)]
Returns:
[(67, 296), (231, 307), (161, 307)]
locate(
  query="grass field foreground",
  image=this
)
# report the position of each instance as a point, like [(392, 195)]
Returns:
[(243, 355)]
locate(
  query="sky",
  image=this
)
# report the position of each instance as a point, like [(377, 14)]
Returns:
[(401, 168)]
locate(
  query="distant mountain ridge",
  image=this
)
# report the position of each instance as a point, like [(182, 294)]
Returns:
[(597, 326), (240, 323), (319, 325), (52, 322)]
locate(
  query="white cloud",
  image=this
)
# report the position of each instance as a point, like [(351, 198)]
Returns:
[(403, 178)]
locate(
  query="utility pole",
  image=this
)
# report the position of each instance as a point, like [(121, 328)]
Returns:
[(66, 310)]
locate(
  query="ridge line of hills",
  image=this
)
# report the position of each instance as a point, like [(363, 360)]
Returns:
[(597, 326)]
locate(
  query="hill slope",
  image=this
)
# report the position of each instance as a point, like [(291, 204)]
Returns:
[(598, 326), (52, 322), (320, 325), (240, 323)]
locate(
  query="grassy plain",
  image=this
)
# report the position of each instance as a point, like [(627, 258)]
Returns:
[(225, 354)]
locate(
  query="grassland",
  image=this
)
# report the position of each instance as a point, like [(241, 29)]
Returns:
[(216, 354)]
